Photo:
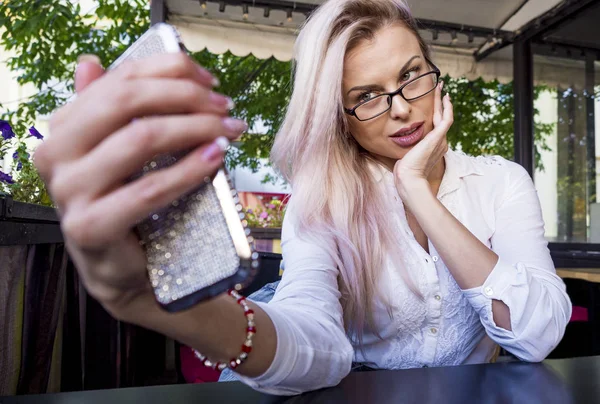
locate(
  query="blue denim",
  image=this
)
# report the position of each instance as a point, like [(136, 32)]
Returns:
[(264, 295)]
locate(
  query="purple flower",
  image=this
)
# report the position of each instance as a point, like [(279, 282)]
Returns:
[(250, 211), (16, 155), (34, 132), (271, 206), (19, 164), (264, 215), (6, 178), (6, 130)]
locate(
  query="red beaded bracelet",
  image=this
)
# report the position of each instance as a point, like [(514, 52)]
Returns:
[(246, 347)]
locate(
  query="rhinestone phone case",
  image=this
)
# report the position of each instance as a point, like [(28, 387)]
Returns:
[(199, 246)]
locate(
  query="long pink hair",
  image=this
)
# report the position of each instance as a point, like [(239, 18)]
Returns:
[(332, 184)]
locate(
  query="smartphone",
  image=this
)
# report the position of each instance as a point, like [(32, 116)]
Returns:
[(199, 246)]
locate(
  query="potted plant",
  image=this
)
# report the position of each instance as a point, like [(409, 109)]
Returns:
[(265, 222), (21, 180)]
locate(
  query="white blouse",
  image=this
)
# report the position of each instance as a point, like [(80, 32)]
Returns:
[(496, 200)]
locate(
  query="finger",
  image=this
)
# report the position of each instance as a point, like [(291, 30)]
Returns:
[(438, 135), (166, 65), (88, 70), (132, 146), (171, 65), (448, 115), (102, 111), (113, 216), (437, 105)]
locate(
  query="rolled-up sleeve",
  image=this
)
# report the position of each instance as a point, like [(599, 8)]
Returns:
[(313, 350), (524, 277)]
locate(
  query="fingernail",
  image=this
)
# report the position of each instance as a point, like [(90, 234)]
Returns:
[(221, 100), (222, 142), (441, 84), (206, 75), (88, 58), (215, 150), (236, 126), (230, 104)]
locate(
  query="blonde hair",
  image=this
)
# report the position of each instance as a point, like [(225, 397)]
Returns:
[(333, 188)]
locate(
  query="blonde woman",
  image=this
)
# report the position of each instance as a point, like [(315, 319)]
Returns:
[(399, 252)]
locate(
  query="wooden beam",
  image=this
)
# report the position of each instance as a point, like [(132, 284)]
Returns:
[(588, 274), (158, 11)]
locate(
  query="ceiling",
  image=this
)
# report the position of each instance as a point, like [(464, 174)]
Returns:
[(481, 13), (494, 14), (583, 31)]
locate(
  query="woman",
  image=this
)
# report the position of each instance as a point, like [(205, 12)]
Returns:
[(399, 253)]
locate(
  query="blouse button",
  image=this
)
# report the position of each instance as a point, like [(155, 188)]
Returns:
[(435, 258), (433, 330), (488, 291), (438, 297)]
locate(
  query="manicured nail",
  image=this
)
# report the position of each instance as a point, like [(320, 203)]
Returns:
[(236, 126), (220, 100), (206, 75), (230, 104), (441, 84), (88, 58), (222, 142), (215, 150)]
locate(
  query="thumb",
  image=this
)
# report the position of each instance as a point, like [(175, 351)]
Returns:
[(88, 70)]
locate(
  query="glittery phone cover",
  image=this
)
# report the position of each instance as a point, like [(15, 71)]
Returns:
[(198, 246)]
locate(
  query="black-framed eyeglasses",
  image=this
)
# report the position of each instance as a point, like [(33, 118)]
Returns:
[(381, 103)]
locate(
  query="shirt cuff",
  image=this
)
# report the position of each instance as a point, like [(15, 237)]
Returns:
[(497, 286), (285, 354)]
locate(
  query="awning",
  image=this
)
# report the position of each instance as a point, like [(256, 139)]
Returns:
[(221, 27)]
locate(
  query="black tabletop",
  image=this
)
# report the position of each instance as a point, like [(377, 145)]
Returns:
[(555, 381)]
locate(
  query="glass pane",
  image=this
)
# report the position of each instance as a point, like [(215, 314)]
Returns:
[(419, 87), (565, 174), (374, 107)]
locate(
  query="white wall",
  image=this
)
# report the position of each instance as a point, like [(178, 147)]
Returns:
[(545, 181), (244, 180)]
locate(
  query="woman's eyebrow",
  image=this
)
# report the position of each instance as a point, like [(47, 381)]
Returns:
[(375, 86)]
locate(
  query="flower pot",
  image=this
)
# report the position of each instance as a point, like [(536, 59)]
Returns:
[(267, 239)]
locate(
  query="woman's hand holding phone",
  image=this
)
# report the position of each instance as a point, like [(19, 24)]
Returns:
[(119, 120)]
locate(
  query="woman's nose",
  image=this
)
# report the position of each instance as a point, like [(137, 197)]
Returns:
[(400, 108)]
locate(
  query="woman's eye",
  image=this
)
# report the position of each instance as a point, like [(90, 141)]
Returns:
[(365, 96), (408, 75)]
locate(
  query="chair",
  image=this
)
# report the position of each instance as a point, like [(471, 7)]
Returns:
[(270, 266), (582, 338)]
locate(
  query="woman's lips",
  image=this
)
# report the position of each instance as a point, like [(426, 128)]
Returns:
[(411, 139)]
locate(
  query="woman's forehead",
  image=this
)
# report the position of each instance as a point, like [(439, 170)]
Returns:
[(384, 54)]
